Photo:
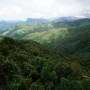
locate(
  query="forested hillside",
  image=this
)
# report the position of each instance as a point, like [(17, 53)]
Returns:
[(45, 55), (26, 65)]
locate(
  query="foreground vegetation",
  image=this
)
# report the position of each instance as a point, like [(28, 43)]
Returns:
[(26, 65)]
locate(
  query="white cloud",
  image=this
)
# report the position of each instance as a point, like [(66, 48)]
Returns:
[(18, 9)]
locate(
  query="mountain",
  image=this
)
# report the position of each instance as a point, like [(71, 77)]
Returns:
[(74, 36), (70, 40), (65, 19), (73, 42), (36, 20), (49, 34), (8, 27), (45, 56), (70, 22), (80, 22)]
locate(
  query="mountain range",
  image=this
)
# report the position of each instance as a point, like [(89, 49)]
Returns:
[(41, 54)]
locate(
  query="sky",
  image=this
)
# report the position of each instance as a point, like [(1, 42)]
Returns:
[(22, 9)]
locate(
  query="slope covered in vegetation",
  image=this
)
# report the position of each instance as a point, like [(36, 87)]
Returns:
[(26, 65), (45, 56)]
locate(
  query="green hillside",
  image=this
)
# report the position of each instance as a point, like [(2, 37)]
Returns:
[(45, 56), (72, 42), (25, 29), (27, 65)]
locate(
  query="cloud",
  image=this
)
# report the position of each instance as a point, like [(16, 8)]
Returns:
[(20, 9), (85, 7)]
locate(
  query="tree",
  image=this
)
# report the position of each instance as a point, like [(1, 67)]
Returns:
[(37, 86)]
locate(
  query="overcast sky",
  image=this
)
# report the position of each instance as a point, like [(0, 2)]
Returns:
[(21, 9)]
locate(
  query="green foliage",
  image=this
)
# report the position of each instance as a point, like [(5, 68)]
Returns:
[(37, 86), (24, 66), (86, 84)]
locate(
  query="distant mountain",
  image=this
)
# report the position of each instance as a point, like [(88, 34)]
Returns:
[(65, 19), (36, 20), (70, 21), (78, 22), (11, 26)]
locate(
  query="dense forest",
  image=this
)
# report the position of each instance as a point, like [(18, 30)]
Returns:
[(45, 55)]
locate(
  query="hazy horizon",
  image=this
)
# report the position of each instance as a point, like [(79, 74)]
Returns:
[(22, 9)]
